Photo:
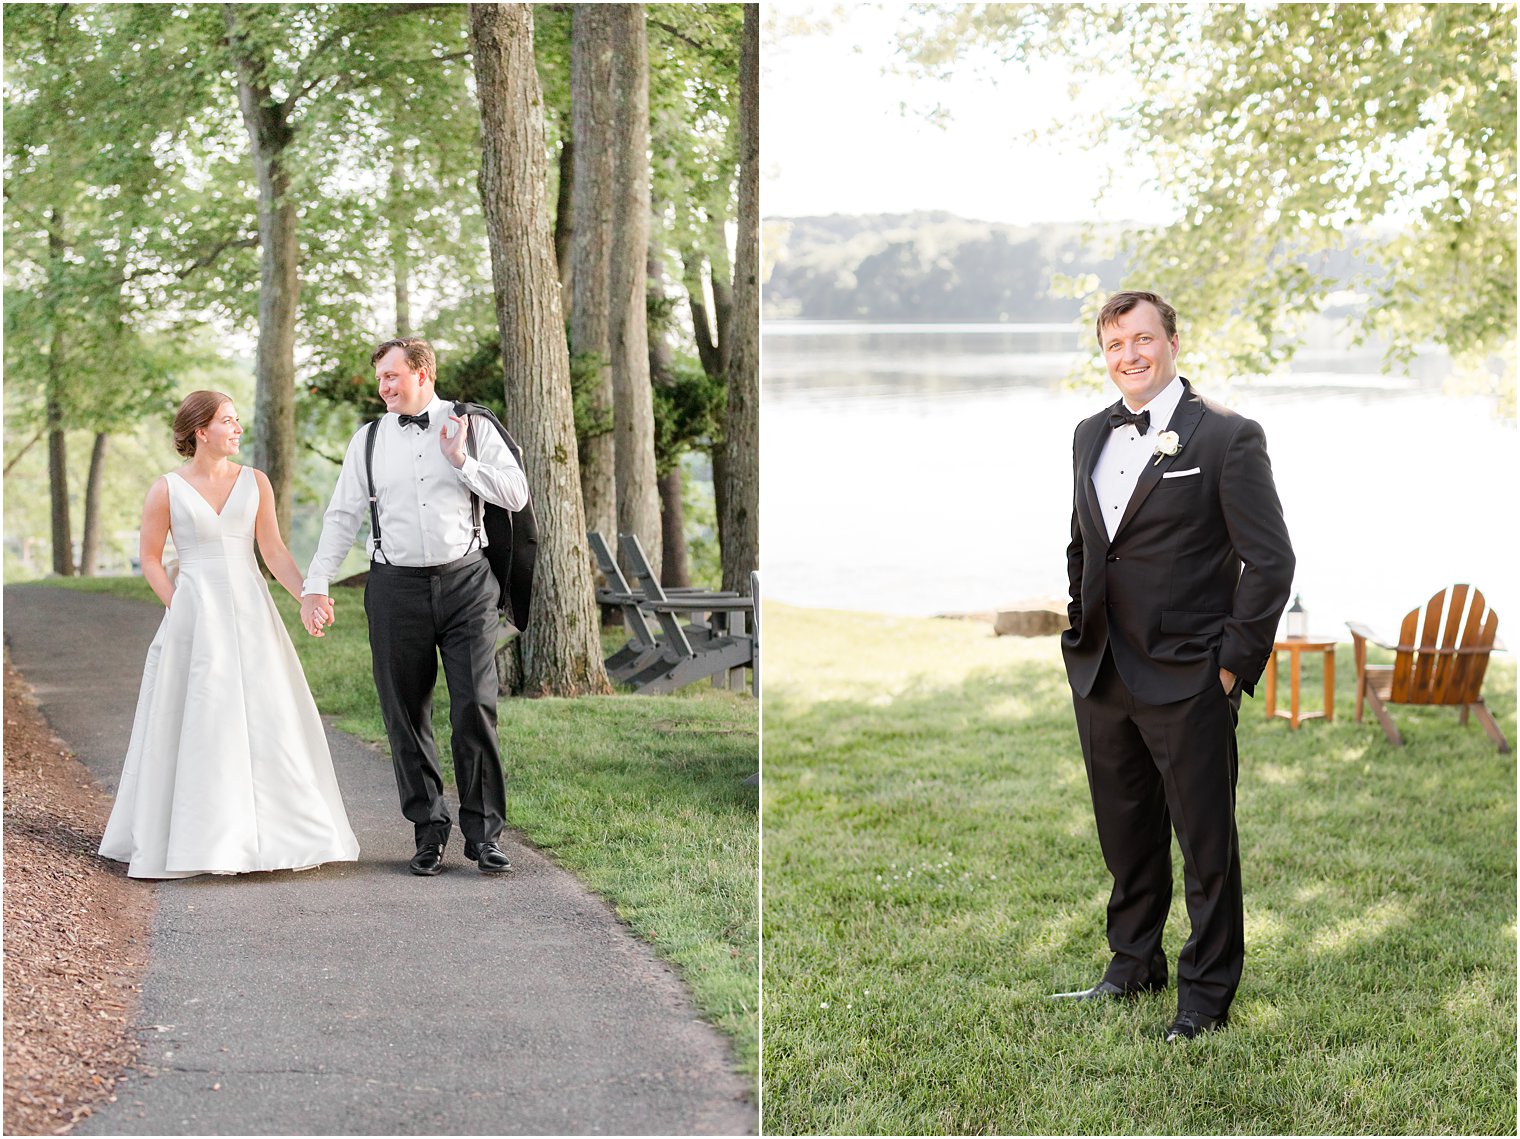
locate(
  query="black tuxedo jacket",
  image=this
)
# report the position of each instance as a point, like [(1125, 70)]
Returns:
[(1198, 571)]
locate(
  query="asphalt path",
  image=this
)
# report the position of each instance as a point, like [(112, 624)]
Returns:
[(357, 998)]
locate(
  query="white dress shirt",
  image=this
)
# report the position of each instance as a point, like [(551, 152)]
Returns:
[(1126, 452), (422, 498)]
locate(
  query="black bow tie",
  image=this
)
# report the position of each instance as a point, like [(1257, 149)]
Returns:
[(420, 420), (1141, 420)]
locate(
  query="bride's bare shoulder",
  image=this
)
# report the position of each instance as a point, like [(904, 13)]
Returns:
[(157, 498)]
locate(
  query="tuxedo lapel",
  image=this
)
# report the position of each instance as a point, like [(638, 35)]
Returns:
[(1184, 422), (1090, 492)]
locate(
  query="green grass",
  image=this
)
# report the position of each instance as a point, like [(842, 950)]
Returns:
[(932, 873), (642, 797)]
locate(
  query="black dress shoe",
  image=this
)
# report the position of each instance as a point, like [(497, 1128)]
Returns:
[(428, 859), (1189, 1024), (488, 856), (1108, 991)]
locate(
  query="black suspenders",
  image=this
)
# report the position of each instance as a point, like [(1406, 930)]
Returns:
[(369, 476), (475, 505)]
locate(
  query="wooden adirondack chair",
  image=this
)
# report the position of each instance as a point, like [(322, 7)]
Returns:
[(642, 647), (631, 662), (1441, 661), (716, 644)]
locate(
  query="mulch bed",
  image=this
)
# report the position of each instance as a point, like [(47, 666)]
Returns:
[(76, 933)]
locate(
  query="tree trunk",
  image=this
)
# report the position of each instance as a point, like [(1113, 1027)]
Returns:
[(638, 498), (741, 501), (564, 216), (722, 288), (58, 483), (711, 329), (692, 263), (58, 467), (561, 649), (89, 549), (400, 263), (509, 667), (661, 356), (718, 456), (274, 421), (674, 570), (591, 247)]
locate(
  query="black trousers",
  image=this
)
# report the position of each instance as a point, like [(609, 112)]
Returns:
[(1153, 768), (414, 618)]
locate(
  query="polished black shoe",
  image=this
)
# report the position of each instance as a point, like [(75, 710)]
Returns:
[(488, 856), (1189, 1024), (428, 859), (1108, 991)]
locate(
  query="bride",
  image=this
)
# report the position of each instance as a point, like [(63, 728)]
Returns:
[(228, 769)]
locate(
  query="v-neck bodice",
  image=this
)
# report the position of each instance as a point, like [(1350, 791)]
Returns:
[(202, 535), (236, 481)]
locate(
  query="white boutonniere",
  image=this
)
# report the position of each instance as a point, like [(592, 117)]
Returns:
[(1167, 445)]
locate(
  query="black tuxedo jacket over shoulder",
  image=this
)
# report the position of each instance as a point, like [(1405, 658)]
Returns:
[(1197, 572)]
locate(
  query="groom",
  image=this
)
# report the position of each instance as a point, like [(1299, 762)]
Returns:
[(1179, 567), (430, 593)]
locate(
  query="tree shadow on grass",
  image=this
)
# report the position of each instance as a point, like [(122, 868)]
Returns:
[(932, 873)]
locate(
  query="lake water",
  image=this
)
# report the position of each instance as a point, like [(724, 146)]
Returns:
[(927, 468)]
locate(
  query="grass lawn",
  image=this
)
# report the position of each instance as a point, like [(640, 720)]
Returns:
[(932, 873), (642, 797)]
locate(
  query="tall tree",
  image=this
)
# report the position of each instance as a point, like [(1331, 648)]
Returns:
[(395, 212), (89, 545), (710, 322), (401, 261), (694, 70), (740, 519), (638, 499), (268, 120), (298, 66), (87, 207), (674, 567), (591, 52), (58, 464), (562, 651)]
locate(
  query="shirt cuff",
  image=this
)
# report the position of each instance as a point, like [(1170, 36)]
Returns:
[(316, 585), (466, 471)]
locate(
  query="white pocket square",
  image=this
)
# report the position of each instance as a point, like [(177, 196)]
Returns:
[(1183, 474)]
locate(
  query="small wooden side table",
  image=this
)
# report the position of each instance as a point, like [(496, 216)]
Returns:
[(1295, 647)]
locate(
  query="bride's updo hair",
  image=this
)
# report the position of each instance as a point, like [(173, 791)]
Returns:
[(197, 410)]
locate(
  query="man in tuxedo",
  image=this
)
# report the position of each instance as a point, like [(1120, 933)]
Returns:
[(1179, 567), (430, 592)]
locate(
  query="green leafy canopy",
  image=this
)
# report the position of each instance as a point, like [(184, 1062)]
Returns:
[(1286, 131)]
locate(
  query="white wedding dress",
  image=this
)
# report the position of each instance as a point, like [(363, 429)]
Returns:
[(228, 769)]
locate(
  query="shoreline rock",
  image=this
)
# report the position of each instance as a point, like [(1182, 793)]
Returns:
[(1032, 617)]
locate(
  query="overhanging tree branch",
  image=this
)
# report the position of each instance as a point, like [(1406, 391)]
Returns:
[(671, 30), (304, 83), (335, 460), (27, 446), (350, 80), (207, 258)]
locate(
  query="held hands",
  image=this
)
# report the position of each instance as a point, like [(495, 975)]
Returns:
[(451, 441), (317, 612)]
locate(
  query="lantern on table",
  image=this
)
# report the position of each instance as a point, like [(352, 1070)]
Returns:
[(1298, 619)]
